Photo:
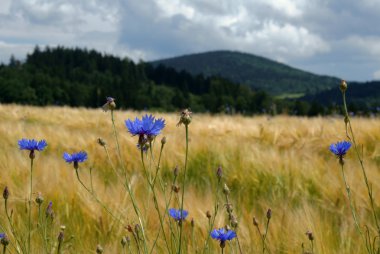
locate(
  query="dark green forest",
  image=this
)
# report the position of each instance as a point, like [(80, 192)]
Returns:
[(81, 77)]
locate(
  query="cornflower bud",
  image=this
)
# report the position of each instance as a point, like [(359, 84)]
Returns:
[(310, 235), (219, 172), (269, 213), (208, 215), (163, 140), (6, 193), (176, 171)]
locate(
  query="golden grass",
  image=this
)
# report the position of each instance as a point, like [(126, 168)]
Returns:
[(280, 162)]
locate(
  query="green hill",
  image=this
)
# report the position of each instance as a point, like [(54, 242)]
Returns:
[(254, 71)]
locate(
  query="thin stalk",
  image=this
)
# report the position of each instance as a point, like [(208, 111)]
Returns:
[(155, 200), (30, 205), (369, 189), (12, 227), (352, 207), (167, 203), (183, 186), (135, 207), (214, 217), (158, 165), (97, 200), (265, 235)]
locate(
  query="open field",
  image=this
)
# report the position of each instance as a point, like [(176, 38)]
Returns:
[(282, 163)]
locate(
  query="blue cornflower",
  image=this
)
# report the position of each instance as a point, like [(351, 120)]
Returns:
[(75, 158), (2, 235), (32, 145), (177, 214), (222, 235), (340, 149), (147, 128)]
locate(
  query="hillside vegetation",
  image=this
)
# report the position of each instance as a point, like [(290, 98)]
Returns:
[(257, 72), (282, 163)]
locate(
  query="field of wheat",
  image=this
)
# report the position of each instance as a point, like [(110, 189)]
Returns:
[(282, 163)]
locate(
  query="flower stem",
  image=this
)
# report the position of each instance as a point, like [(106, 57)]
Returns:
[(30, 205), (97, 200), (183, 186), (155, 200), (369, 189), (350, 200), (135, 207)]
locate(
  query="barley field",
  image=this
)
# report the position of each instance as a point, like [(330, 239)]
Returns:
[(282, 163)]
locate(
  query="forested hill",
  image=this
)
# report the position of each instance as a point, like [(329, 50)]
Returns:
[(257, 72), (80, 77)]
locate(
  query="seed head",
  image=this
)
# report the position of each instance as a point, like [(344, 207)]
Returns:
[(39, 198), (129, 228), (163, 140), (226, 190), (101, 142), (192, 223), (124, 241), (6, 193), (208, 215), (234, 222), (185, 117), (99, 249), (109, 105), (255, 222), (176, 188), (343, 86)]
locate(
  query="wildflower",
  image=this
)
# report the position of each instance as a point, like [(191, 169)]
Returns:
[(32, 145), (178, 215), (109, 105), (222, 235), (4, 240), (340, 149), (185, 117), (60, 237), (75, 158), (147, 129)]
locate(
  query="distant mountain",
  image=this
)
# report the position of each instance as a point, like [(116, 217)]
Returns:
[(255, 71)]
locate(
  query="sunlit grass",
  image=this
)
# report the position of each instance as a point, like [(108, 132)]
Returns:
[(282, 163)]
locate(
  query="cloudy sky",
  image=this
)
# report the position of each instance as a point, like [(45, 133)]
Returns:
[(332, 37)]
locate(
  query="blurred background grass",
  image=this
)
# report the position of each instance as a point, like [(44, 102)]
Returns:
[(282, 163)]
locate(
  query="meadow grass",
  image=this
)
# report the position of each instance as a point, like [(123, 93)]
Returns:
[(282, 163)]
